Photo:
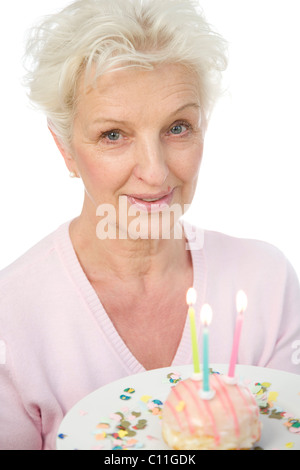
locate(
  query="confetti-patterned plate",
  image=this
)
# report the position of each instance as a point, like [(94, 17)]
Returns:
[(126, 414)]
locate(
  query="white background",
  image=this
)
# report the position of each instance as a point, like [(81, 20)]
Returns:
[(249, 181)]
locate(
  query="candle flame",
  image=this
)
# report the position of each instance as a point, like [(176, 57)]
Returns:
[(241, 301), (206, 314), (191, 296)]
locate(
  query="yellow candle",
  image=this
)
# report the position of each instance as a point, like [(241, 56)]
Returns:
[(191, 299)]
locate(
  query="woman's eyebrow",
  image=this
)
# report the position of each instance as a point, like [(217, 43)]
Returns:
[(188, 105), (104, 120)]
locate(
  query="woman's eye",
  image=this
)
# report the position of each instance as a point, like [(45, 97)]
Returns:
[(113, 135), (179, 129)]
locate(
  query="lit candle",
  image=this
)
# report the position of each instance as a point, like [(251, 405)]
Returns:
[(206, 317), (241, 305), (191, 296)]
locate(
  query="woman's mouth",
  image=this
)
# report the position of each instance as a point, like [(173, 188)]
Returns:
[(151, 202)]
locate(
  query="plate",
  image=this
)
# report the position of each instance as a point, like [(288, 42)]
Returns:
[(126, 414)]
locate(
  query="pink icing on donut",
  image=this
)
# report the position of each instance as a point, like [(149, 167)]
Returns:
[(252, 400), (225, 413), (230, 404), (175, 414), (185, 411), (193, 389)]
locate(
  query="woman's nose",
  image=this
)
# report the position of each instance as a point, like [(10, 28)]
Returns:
[(151, 162)]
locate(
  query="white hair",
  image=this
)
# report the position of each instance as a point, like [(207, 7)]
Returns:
[(110, 34)]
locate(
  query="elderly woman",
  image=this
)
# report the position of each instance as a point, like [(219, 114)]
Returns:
[(128, 88)]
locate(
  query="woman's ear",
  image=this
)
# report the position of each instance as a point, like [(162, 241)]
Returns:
[(68, 158)]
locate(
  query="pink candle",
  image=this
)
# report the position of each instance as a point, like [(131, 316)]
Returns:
[(241, 303)]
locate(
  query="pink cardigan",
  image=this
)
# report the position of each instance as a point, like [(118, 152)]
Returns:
[(57, 343)]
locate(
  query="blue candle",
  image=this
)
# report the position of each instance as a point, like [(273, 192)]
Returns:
[(205, 360), (206, 316)]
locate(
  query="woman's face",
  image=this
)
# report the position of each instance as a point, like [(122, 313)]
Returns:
[(139, 135)]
